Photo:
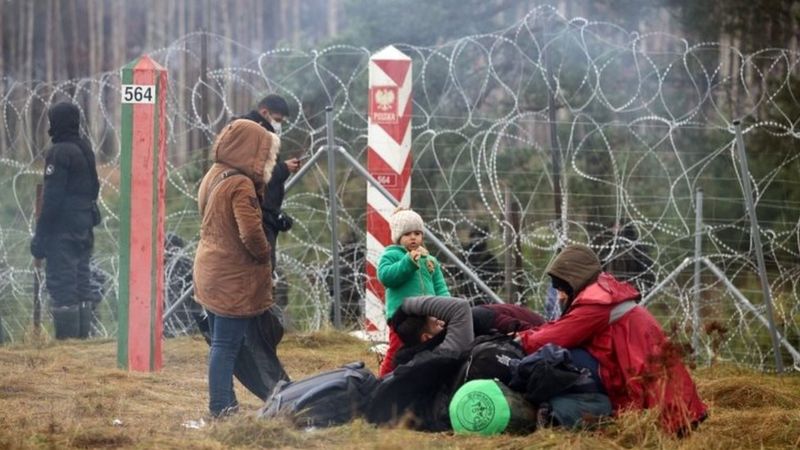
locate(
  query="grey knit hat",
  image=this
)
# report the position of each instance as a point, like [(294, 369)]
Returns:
[(403, 221)]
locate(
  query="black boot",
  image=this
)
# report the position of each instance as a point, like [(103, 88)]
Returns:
[(87, 319), (66, 320)]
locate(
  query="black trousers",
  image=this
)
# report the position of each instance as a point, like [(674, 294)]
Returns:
[(257, 365), (67, 268)]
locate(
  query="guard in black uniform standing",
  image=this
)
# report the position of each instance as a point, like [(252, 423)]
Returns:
[(64, 233)]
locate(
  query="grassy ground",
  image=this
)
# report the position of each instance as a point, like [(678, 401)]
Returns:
[(70, 395)]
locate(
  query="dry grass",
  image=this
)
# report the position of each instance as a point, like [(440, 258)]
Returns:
[(70, 395)]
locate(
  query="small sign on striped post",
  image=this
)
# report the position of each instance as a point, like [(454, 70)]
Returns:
[(141, 234)]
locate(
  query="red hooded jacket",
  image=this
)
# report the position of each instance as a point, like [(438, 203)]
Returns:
[(639, 368)]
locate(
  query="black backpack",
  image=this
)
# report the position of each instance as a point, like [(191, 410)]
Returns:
[(491, 357), (329, 398)]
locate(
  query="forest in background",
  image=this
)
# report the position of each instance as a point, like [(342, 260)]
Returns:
[(48, 42), (45, 41)]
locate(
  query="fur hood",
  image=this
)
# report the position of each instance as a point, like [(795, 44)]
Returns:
[(246, 146)]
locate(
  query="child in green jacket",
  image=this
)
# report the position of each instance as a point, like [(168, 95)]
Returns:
[(406, 270)]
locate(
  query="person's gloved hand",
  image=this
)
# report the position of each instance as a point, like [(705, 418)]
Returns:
[(37, 247)]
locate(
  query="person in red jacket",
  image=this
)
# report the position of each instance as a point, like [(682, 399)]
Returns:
[(638, 366)]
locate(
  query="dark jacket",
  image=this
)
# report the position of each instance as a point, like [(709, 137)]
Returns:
[(273, 196), (427, 378), (550, 371), (71, 185)]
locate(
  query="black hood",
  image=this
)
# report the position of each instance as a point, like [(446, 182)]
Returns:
[(65, 122)]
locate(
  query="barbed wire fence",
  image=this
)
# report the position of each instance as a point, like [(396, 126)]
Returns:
[(637, 123)]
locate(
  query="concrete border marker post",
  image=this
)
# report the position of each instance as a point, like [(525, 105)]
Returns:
[(142, 205)]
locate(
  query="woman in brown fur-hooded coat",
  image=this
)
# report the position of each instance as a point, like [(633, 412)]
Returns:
[(232, 270), (232, 273)]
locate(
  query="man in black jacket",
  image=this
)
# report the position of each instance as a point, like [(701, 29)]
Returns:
[(270, 114), (64, 229)]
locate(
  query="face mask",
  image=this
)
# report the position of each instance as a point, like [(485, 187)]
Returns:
[(276, 126)]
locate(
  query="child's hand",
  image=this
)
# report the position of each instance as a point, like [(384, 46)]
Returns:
[(423, 251), (415, 254)]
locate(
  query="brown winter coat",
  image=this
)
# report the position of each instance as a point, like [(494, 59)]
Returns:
[(232, 272)]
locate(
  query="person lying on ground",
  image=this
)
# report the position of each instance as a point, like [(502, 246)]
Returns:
[(436, 332), (638, 366), (442, 324)]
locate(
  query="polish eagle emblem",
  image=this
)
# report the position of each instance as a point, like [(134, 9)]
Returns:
[(384, 99)]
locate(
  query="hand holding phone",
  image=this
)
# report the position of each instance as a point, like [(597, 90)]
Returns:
[(294, 164)]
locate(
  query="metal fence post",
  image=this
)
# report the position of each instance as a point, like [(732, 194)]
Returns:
[(698, 250), (762, 268), (331, 149)]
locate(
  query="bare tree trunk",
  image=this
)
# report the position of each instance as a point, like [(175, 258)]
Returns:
[(190, 74), (29, 50), (29, 73), (59, 69), (333, 18), (182, 145), (120, 34), (156, 24), (26, 44), (284, 23), (2, 85), (72, 41), (102, 49), (794, 43), (49, 43), (119, 14), (258, 13), (149, 26), (296, 24), (227, 30), (19, 41), (93, 40), (206, 98), (101, 64)]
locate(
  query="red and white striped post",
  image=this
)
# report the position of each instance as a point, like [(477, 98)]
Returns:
[(142, 192), (388, 161)]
